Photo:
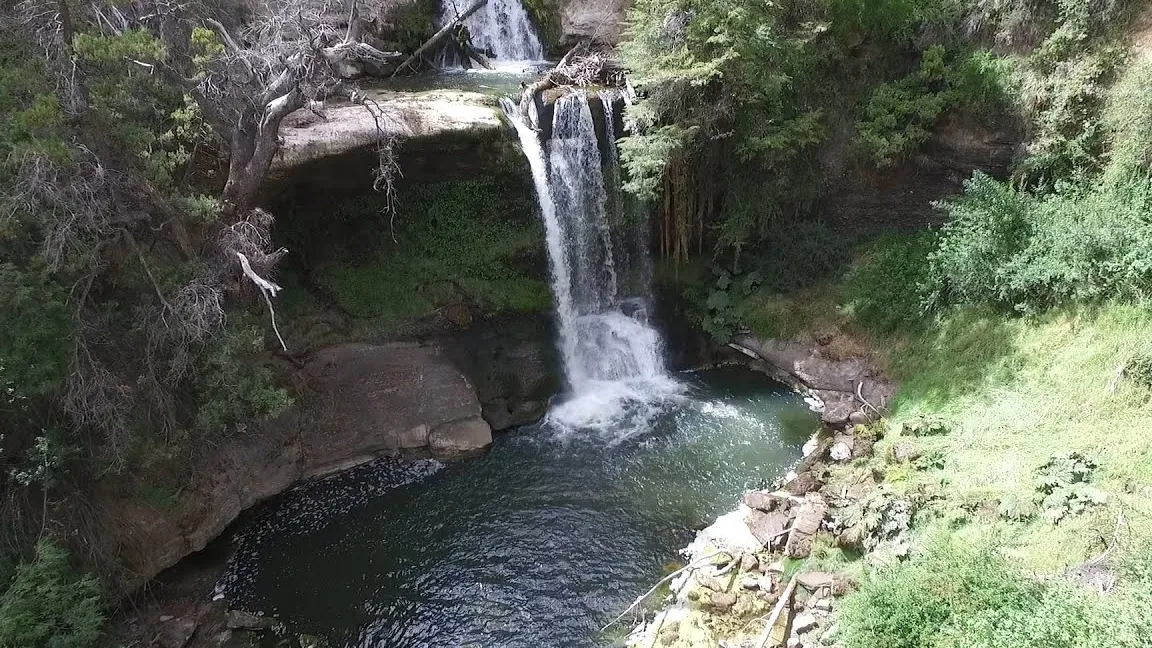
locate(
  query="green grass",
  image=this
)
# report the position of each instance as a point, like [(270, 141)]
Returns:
[(1015, 392)]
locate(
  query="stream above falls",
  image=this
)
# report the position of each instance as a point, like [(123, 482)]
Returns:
[(538, 543)]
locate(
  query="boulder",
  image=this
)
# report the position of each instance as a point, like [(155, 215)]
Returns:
[(805, 526), (723, 601), (240, 620), (460, 439), (819, 583), (176, 633), (842, 447), (761, 501), (767, 527), (804, 483), (374, 400), (906, 451), (803, 622)]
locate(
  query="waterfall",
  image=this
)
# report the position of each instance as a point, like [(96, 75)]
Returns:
[(613, 359), (501, 26)]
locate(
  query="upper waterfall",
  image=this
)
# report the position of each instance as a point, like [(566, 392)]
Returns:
[(613, 359), (501, 27)]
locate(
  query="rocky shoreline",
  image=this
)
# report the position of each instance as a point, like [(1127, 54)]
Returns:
[(760, 576)]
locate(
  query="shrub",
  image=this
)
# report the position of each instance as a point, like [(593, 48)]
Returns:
[(1012, 248), (886, 286), (959, 595), (899, 116), (48, 606), (232, 386)]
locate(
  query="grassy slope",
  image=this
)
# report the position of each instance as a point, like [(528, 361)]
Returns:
[(1014, 391)]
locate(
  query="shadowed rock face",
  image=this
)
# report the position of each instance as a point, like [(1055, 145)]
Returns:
[(373, 400)]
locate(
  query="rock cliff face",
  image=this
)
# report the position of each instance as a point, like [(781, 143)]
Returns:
[(599, 21), (360, 402)]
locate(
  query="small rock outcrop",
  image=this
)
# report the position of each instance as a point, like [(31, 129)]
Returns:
[(342, 127), (849, 389)]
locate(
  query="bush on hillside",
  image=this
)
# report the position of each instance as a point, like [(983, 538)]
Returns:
[(885, 287), (957, 595), (899, 117), (1028, 252), (48, 606)]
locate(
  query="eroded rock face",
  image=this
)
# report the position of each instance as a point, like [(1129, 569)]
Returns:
[(599, 21), (361, 402), (373, 400), (340, 128)]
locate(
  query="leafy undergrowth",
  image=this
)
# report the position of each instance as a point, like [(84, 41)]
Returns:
[(472, 244)]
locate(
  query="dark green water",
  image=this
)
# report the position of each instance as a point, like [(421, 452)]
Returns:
[(536, 544)]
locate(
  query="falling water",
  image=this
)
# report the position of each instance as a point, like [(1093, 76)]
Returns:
[(501, 26), (613, 359)]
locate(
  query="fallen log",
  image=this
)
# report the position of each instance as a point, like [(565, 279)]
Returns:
[(441, 35)]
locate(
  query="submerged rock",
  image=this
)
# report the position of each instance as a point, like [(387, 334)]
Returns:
[(240, 620)]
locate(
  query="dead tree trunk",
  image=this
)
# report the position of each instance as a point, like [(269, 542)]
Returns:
[(441, 35), (253, 145)]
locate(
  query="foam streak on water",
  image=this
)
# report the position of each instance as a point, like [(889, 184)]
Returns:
[(613, 359)]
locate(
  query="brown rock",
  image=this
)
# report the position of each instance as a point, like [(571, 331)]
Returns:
[(819, 583), (176, 633), (723, 601), (710, 582), (836, 413), (805, 482), (749, 563), (767, 527), (240, 620), (842, 446), (805, 526), (459, 439), (761, 500)]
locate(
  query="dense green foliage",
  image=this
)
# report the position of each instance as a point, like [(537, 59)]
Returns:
[(899, 117), (1024, 251), (48, 606), (1018, 325)]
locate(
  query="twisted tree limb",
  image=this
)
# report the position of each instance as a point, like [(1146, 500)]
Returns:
[(784, 598), (639, 599), (441, 35)]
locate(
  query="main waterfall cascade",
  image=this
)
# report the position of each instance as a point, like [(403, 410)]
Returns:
[(502, 27), (613, 359)]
